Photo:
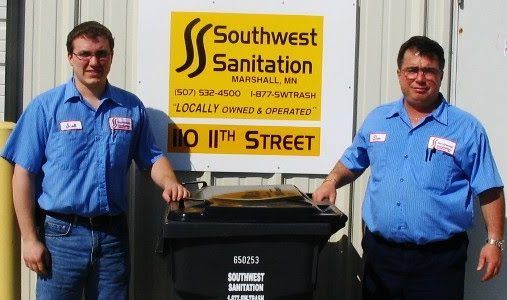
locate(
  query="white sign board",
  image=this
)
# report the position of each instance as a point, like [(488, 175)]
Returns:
[(249, 86)]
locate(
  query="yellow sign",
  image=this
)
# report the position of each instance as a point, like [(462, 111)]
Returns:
[(245, 66), (236, 139)]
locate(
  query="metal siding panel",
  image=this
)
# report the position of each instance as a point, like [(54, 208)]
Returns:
[(438, 27), (2, 50), (64, 24), (3, 15), (394, 33), (91, 10), (28, 51), (369, 85), (115, 18), (131, 40), (43, 47), (46, 29)]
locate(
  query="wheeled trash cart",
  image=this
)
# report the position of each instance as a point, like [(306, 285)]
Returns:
[(247, 242)]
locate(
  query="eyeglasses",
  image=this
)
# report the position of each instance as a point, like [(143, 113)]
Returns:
[(411, 73), (101, 55)]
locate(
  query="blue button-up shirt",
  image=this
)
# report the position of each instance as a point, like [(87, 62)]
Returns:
[(424, 178), (81, 155)]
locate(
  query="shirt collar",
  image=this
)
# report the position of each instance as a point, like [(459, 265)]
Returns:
[(439, 114), (71, 93)]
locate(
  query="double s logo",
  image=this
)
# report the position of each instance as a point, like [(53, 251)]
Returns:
[(189, 46)]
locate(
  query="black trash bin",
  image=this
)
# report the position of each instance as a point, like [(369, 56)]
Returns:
[(247, 242)]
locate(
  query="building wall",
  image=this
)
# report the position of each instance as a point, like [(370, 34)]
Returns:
[(3, 21), (383, 26)]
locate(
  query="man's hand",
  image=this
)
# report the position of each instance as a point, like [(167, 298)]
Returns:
[(163, 175), (492, 257), (36, 257), (493, 209), (327, 190), (174, 191)]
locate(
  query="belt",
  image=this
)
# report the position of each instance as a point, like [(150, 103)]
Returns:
[(455, 240), (86, 221)]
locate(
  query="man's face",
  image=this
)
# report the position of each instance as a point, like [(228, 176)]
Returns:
[(420, 78), (91, 61)]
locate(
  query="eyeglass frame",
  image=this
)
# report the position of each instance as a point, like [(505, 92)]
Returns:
[(101, 55), (428, 73)]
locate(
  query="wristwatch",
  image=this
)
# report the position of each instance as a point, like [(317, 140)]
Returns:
[(497, 243)]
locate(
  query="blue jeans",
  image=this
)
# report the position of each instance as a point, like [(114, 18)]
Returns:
[(89, 260)]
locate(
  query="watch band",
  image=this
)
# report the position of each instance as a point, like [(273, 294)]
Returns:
[(498, 243)]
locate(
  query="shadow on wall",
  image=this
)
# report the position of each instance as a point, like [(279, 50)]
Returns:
[(150, 272), (474, 288), (339, 273), (159, 123)]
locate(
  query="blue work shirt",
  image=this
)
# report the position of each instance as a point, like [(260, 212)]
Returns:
[(423, 179), (81, 155)]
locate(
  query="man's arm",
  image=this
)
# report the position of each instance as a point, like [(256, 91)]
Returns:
[(35, 254), (337, 178), (493, 209), (163, 175)]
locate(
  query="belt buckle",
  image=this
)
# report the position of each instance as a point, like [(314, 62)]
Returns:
[(90, 220)]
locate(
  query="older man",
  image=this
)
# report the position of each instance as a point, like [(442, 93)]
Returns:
[(428, 160)]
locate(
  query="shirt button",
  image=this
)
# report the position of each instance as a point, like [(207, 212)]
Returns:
[(406, 155), (401, 180), (399, 227), (398, 203)]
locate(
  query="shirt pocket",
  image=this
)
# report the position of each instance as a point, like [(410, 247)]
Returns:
[(72, 149), (435, 173), (120, 148), (378, 157)]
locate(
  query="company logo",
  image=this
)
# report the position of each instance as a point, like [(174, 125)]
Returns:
[(199, 44)]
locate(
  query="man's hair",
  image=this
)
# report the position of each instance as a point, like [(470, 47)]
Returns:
[(425, 46), (89, 29)]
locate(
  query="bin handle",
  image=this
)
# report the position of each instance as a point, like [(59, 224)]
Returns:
[(204, 184)]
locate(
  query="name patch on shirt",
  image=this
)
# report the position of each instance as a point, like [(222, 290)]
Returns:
[(378, 137), (70, 125), (442, 144), (117, 123)]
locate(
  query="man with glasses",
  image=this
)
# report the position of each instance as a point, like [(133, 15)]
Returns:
[(72, 149), (428, 160)]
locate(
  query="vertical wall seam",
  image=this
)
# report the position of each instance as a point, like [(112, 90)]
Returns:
[(77, 11)]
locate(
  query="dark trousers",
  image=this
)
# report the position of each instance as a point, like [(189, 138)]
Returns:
[(408, 271)]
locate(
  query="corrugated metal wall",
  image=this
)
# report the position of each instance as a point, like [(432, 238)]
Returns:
[(3, 23), (383, 26)]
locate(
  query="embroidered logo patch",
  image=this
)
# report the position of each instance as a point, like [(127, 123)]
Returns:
[(70, 125), (442, 144), (378, 137), (117, 123)]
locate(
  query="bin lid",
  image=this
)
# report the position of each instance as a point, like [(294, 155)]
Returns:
[(234, 211), (260, 203)]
